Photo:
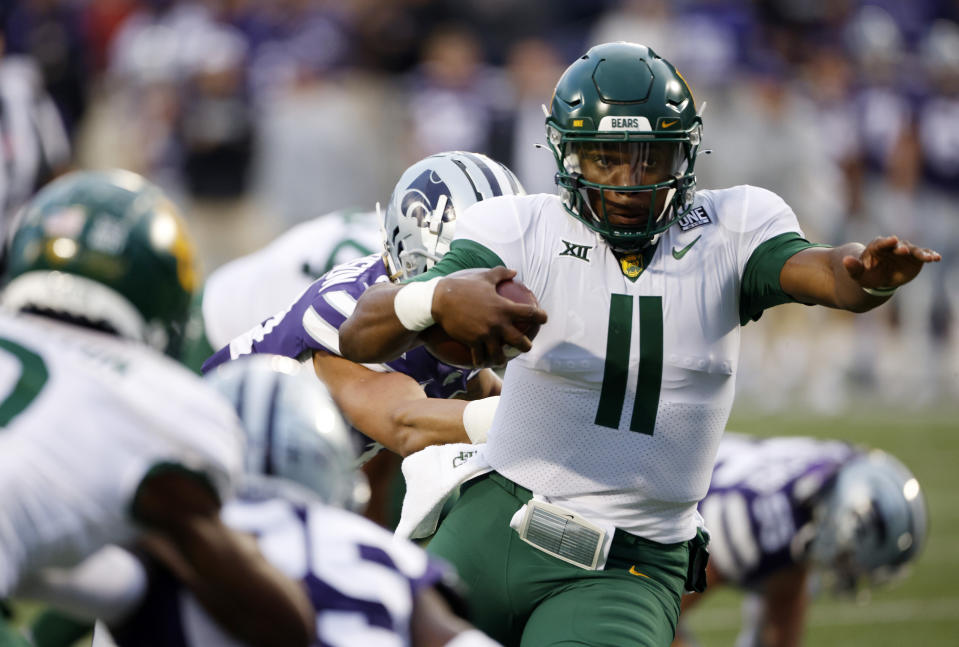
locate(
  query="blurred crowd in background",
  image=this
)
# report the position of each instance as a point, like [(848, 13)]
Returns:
[(259, 114)]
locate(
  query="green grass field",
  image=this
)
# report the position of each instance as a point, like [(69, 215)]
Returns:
[(921, 610)]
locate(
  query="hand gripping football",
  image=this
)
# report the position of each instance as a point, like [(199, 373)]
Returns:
[(455, 353)]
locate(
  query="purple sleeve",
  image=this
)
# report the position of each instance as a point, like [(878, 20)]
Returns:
[(312, 322)]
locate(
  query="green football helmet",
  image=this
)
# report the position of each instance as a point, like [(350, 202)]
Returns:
[(106, 249), (625, 133)]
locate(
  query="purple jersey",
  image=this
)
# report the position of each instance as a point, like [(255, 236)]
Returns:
[(313, 321), (361, 581), (760, 497)]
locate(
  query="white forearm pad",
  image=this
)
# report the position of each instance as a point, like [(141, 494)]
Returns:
[(414, 304), (472, 638), (478, 418)]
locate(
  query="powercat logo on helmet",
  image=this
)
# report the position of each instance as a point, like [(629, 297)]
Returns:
[(637, 123), (422, 197)]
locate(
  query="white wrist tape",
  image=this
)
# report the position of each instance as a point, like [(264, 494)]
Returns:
[(478, 418), (879, 292), (413, 304), (472, 638)]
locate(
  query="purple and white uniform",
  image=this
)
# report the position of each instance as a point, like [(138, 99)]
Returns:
[(313, 321), (759, 499), (361, 581)]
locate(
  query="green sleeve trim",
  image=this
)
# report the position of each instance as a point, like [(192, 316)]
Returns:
[(760, 287), (167, 467), (463, 254)]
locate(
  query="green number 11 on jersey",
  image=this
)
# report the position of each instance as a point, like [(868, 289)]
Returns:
[(615, 371)]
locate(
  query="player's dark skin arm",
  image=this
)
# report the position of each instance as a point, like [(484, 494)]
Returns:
[(785, 600), (223, 568), (713, 581), (433, 623), (393, 409), (835, 276), (467, 307)]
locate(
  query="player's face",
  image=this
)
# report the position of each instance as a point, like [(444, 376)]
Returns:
[(628, 164)]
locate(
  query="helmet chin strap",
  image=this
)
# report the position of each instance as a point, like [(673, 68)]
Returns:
[(435, 219), (666, 203)]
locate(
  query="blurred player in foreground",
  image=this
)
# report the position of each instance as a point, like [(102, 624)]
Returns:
[(366, 587), (239, 295), (782, 511), (412, 401), (102, 438)]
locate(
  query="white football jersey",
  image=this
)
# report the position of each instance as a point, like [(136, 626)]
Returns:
[(617, 411), (250, 289), (84, 416)]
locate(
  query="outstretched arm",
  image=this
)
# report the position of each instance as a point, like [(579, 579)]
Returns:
[(842, 277), (467, 307)]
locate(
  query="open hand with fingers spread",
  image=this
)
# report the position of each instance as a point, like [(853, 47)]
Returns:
[(888, 262)]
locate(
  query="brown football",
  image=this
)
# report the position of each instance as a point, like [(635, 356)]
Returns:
[(455, 353)]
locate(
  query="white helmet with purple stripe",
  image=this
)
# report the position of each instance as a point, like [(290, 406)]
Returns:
[(870, 524), (293, 428), (421, 215)]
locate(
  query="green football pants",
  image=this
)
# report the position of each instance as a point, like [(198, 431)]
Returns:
[(520, 595)]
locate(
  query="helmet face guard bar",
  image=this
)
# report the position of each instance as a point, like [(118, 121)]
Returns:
[(654, 223), (635, 149)]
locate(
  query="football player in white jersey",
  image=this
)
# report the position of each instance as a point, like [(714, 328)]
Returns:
[(270, 278), (102, 438), (788, 516), (603, 442)]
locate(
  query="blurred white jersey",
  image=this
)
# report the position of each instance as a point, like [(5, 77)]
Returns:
[(251, 289), (617, 411), (84, 417)]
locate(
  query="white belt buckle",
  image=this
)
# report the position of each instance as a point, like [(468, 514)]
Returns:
[(562, 534)]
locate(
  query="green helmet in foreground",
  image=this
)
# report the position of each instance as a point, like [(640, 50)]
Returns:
[(625, 133), (107, 249)]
